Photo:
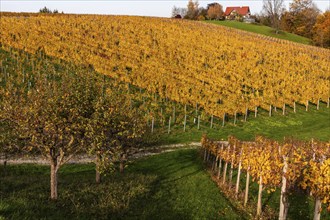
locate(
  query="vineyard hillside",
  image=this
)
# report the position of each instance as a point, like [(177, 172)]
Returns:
[(219, 69), (112, 88)]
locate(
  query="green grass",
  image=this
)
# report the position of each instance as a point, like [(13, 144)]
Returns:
[(172, 185), (264, 30), (301, 125)]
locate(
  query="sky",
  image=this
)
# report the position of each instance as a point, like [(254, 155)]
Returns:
[(156, 8)]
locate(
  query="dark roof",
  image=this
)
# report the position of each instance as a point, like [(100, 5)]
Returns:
[(177, 16)]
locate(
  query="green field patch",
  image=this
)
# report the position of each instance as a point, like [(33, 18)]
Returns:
[(264, 30)]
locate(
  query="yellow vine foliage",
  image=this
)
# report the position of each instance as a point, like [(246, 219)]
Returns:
[(308, 163), (223, 70)]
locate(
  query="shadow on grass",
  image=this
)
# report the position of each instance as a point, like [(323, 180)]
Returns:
[(167, 186)]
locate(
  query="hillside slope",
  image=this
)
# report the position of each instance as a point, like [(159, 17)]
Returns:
[(264, 30), (300, 125), (218, 69)]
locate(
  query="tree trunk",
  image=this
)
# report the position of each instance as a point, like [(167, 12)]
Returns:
[(211, 121), (284, 197), (152, 124), (270, 110), (163, 119), (97, 170), (184, 123), (235, 117), (169, 126), (5, 164), (53, 178), (294, 107), (283, 109), (223, 119), (259, 197), (246, 196), (328, 103), (5, 167), (97, 176), (173, 114), (246, 114), (255, 111), (122, 163), (199, 121), (317, 210), (307, 103), (318, 104)]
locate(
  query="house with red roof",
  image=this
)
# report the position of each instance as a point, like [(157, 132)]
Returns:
[(237, 12)]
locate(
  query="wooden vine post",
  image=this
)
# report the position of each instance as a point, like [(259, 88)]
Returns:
[(318, 202), (246, 194), (214, 164), (239, 173), (259, 206), (232, 166), (220, 163), (208, 156), (284, 196), (225, 167)]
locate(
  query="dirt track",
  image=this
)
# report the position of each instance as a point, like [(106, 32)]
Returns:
[(136, 153)]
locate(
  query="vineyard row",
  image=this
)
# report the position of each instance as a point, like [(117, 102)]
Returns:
[(288, 166)]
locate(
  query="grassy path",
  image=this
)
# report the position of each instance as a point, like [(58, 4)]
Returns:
[(172, 185), (183, 189)]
